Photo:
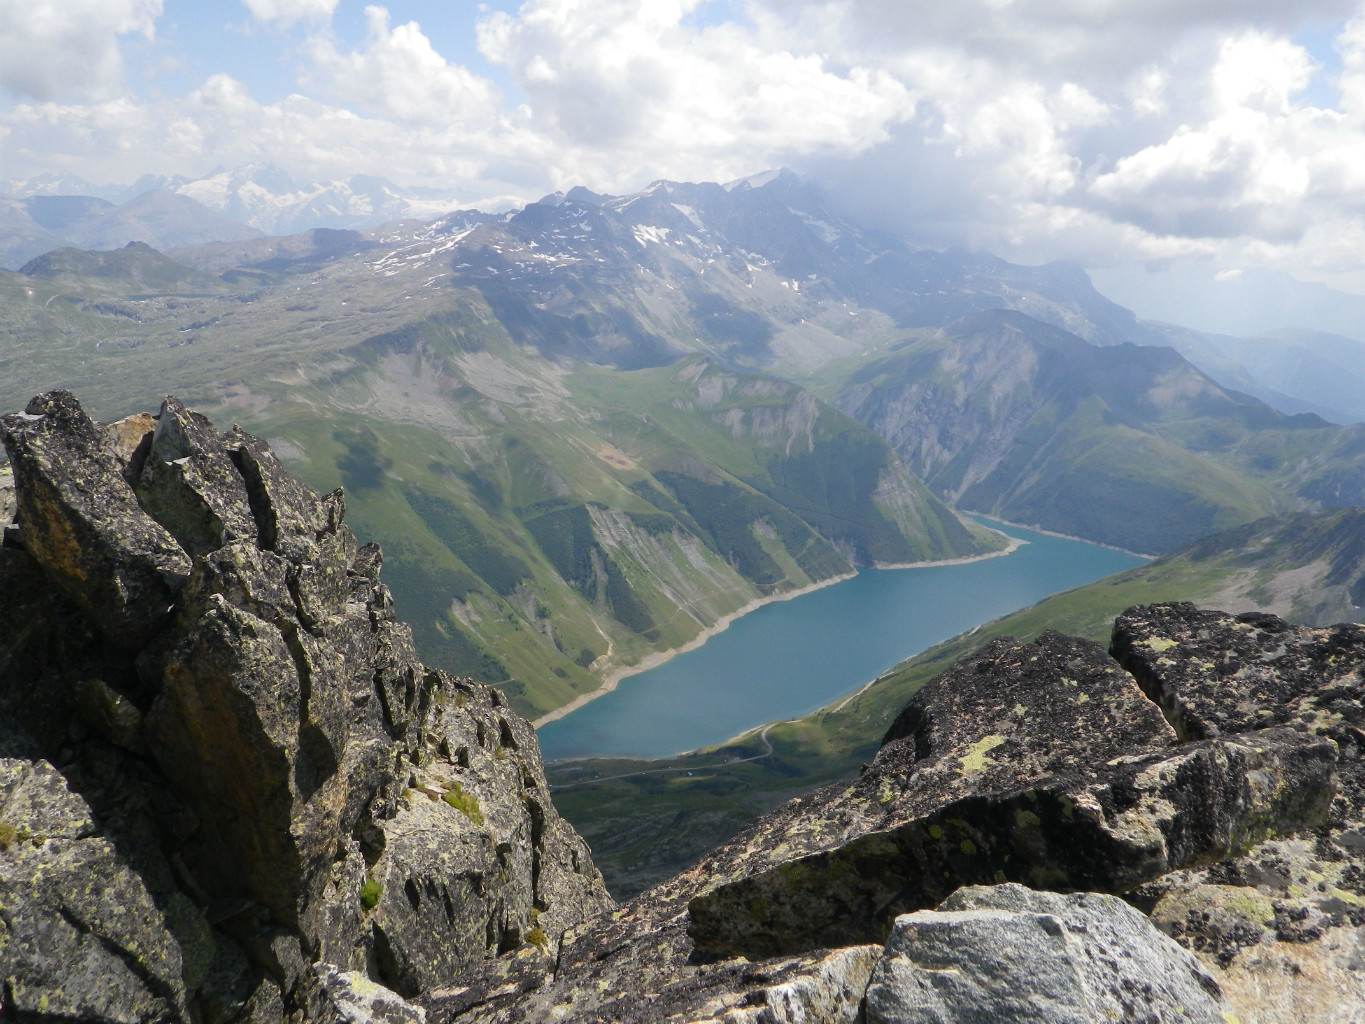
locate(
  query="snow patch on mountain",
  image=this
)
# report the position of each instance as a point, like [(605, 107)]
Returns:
[(645, 233)]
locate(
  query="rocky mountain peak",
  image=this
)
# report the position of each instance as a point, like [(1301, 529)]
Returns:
[(243, 770)]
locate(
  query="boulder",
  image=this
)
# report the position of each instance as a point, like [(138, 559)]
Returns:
[(334, 996), (1005, 953)]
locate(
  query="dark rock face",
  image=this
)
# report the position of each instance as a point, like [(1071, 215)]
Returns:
[(1039, 763), (1112, 832), (82, 523), (227, 779), (1216, 674), (1283, 923)]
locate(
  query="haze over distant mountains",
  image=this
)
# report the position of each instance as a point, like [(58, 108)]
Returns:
[(1298, 346), (51, 211)]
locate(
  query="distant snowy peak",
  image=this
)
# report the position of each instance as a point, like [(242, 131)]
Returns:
[(264, 197), (270, 201), (755, 180)]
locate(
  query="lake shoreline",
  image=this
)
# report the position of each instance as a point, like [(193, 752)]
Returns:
[(780, 666), (1015, 543), (1057, 533), (657, 658)]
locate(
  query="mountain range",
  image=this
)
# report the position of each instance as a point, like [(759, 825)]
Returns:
[(174, 212), (592, 429), (587, 433), (233, 793)]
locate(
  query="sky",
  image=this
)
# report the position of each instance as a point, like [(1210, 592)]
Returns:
[(1131, 136)]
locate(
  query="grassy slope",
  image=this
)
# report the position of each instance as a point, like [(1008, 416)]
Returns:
[(464, 452), (650, 823), (1126, 446)]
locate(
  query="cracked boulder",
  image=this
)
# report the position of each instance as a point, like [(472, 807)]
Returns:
[(1281, 925), (1217, 674)]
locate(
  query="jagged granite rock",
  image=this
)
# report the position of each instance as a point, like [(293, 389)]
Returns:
[(1216, 674), (476, 807), (975, 784), (1042, 762), (1123, 826), (82, 522), (82, 937), (1006, 953), (211, 693), (1283, 925), (188, 483)]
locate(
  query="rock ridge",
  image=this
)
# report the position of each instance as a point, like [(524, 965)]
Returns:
[(228, 781)]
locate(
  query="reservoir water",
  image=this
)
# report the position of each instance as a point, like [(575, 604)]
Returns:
[(789, 658)]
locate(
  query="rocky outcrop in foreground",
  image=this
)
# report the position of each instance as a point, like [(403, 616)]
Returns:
[(229, 792), (911, 893), (228, 788)]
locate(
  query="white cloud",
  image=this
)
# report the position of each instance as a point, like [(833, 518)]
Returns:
[(66, 49), (636, 90), (1101, 130), (1257, 165), (287, 12), (398, 74)]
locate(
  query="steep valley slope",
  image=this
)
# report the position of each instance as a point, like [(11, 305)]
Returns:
[(1127, 445), (551, 514)]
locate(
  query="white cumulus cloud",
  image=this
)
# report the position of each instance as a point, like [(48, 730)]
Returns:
[(68, 49), (632, 90), (397, 73), (1108, 131), (287, 12)]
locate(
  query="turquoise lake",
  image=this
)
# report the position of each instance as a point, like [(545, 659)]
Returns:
[(789, 658)]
